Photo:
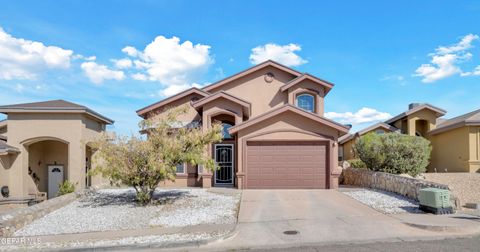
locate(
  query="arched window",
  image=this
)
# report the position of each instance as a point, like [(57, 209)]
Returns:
[(226, 135), (306, 102)]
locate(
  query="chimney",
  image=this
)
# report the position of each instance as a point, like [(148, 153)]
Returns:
[(413, 105)]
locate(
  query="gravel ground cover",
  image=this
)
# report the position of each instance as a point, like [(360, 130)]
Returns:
[(465, 186), (151, 240), (385, 202), (115, 209)]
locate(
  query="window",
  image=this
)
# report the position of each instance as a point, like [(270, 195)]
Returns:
[(306, 102), (340, 153), (379, 131), (226, 135), (180, 168)]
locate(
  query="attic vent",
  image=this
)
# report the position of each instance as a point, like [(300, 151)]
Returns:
[(269, 77)]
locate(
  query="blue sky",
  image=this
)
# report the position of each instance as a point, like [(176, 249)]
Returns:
[(117, 57)]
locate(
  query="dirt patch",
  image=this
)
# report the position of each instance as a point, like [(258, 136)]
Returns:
[(465, 186)]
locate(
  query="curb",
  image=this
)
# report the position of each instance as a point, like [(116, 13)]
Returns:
[(473, 230)]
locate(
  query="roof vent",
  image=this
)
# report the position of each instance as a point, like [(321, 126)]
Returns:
[(413, 105)]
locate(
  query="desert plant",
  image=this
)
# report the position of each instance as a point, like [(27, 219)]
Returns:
[(144, 163), (65, 188), (394, 153), (356, 163)]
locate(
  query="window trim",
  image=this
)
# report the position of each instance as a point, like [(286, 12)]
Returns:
[(223, 131), (184, 169), (314, 106)]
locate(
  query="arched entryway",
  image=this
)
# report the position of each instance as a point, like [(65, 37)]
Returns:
[(224, 153), (47, 165)]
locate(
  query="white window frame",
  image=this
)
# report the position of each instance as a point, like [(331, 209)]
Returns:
[(184, 169), (306, 94)]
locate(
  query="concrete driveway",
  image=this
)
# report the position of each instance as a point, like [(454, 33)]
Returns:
[(319, 216)]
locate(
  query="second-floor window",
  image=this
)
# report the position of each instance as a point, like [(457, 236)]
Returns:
[(226, 135), (306, 102)]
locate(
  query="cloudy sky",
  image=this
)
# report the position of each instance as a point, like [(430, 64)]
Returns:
[(117, 57)]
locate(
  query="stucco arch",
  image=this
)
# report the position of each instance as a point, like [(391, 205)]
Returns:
[(33, 140)]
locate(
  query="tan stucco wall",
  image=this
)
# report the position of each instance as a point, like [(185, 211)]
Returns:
[(348, 150), (262, 95), (24, 129), (450, 151)]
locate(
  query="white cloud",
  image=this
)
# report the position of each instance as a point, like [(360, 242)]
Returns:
[(139, 76), (284, 54), (175, 65), (25, 59), (130, 51), (19, 88), (364, 115), (97, 73), (475, 72), (175, 89), (122, 63), (445, 60)]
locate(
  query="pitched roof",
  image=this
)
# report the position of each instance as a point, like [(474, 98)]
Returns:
[(251, 70), (349, 137), (7, 149), (143, 111), (222, 94), (439, 111), (53, 106), (284, 108), (468, 119), (327, 85)]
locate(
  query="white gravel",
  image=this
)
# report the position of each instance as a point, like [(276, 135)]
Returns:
[(115, 209), (151, 240), (385, 202)]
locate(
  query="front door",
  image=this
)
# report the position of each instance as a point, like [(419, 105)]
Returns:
[(55, 178), (224, 159)]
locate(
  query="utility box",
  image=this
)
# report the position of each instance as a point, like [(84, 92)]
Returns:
[(435, 200)]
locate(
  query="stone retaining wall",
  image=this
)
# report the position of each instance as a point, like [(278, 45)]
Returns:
[(15, 219), (409, 187)]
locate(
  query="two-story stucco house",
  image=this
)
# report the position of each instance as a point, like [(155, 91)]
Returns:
[(275, 132)]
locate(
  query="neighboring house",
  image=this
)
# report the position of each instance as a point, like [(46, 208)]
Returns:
[(44, 143), (275, 132), (345, 150), (455, 142)]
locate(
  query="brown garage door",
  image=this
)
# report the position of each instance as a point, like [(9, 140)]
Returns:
[(286, 165)]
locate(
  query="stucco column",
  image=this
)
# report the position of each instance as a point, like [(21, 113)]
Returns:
[(206, 176), (411, 126), (76, 164)]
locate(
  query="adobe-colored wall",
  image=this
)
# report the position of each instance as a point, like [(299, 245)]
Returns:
[(308, 87), (450, 151), (423, 114), (262, 95)]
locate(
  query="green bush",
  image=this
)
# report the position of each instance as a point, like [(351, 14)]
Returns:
[(66, 187), (394, 153), (356, 163)]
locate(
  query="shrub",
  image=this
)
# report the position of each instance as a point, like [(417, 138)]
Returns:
[(65, 188), (394, 153), (356, 163)]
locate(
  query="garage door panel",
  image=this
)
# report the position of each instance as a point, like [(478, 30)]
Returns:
[(286, 165)]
